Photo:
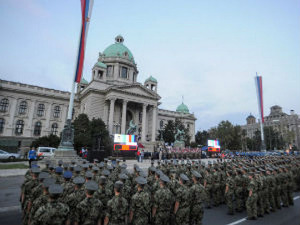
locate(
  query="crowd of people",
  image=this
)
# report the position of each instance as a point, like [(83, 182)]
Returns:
[(169, 192)]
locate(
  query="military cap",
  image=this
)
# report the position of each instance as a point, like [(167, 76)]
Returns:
[(138, 169), (34, 163), (73, 161), (141, 180), (135, 166), (34, 166), (78, 180), (172, 171), (123, 166), (96, 160), (118, 160), (184, 177), (47, 162), (91, 185), (48, 181), (158, 172), (68, 174), (95, 168), (142, 174), (65, 165), (101, 164), (152, 161), (164, 178), (85, 166), (84, 161), (43, 175), (109, 167), (118, 184), (60, 162), (105, 172), (196, 174), (102, 180), (124, 171), (90, 165), (123, 176), (51, 166), (55, 189), (59, 169), (35, 170), (209, 162), (77, 168), (158, 162), (88, 174), (105, 159), (152, 168)]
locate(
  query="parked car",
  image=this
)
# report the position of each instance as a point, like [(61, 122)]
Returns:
[(7, 155), (43, 152)]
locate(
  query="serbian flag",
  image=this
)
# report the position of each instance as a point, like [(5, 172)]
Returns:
[(86, 12), (259, 92)]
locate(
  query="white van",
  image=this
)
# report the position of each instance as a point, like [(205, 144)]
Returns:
[(43, 152)]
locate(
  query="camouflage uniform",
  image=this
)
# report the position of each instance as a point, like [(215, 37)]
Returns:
[(161, 202), (140, 206), (183, 213), (198, 196), (229, 194), (89, 211), (117, 209), (251, 203)]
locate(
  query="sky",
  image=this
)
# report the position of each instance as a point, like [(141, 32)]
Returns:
[(205, 50)]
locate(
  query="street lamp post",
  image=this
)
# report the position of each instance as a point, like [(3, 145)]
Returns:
[(117, 125)]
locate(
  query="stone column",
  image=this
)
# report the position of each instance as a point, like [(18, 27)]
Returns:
[(48, 116), (12, 112), (30, 114), (144, 122), (124, 109), (154, 123), (111, 115)]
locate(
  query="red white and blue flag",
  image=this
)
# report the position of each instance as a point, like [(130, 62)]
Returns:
[(86, 11), (259, 92)]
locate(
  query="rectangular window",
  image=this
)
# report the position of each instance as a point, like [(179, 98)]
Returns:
[(124, 72), (110, 71)]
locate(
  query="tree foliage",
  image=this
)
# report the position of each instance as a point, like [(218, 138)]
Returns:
[(170, 129), (46, 141), (85, 130)]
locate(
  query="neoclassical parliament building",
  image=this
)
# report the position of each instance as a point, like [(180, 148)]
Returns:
[(113, 94)]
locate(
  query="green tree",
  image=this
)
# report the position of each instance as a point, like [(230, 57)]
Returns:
[(201, 137), (169, 132), (98, 127), (46, 141), (82, 131)]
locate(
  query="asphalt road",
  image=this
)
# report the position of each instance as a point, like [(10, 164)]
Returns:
[(10, 213)]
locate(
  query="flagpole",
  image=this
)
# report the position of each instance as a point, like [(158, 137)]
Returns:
[(71, 102)]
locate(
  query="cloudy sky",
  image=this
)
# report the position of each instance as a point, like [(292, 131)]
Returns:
[(207, 51)]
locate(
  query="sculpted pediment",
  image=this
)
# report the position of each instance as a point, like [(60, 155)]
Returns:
[(136, 89)]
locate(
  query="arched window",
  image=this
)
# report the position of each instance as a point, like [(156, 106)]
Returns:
[(4, 105), (2, 123), (23, 107), (54, 128), (19, 127), (37, 128), (161, 124), (41, 110), (56, 111)]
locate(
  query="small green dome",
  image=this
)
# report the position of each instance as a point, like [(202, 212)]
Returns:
[(151, 79), (182, 108), (101, 64), (118, 50), (84, 81)]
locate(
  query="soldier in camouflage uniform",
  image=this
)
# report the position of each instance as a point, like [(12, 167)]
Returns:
[(229, 192), (182, 202), (117, 207), (89, 211), (251, 203), (54, 212), (77, 196), (161, 202), (238, 180), (198, 197), (140, 204)]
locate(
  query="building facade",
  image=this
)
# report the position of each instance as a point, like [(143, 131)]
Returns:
[(283, 123), (113, 94)]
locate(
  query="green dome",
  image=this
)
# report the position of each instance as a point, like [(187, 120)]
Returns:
[(84, 81), (118, 50), (101, 64), (151, 79), (182, 108)]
